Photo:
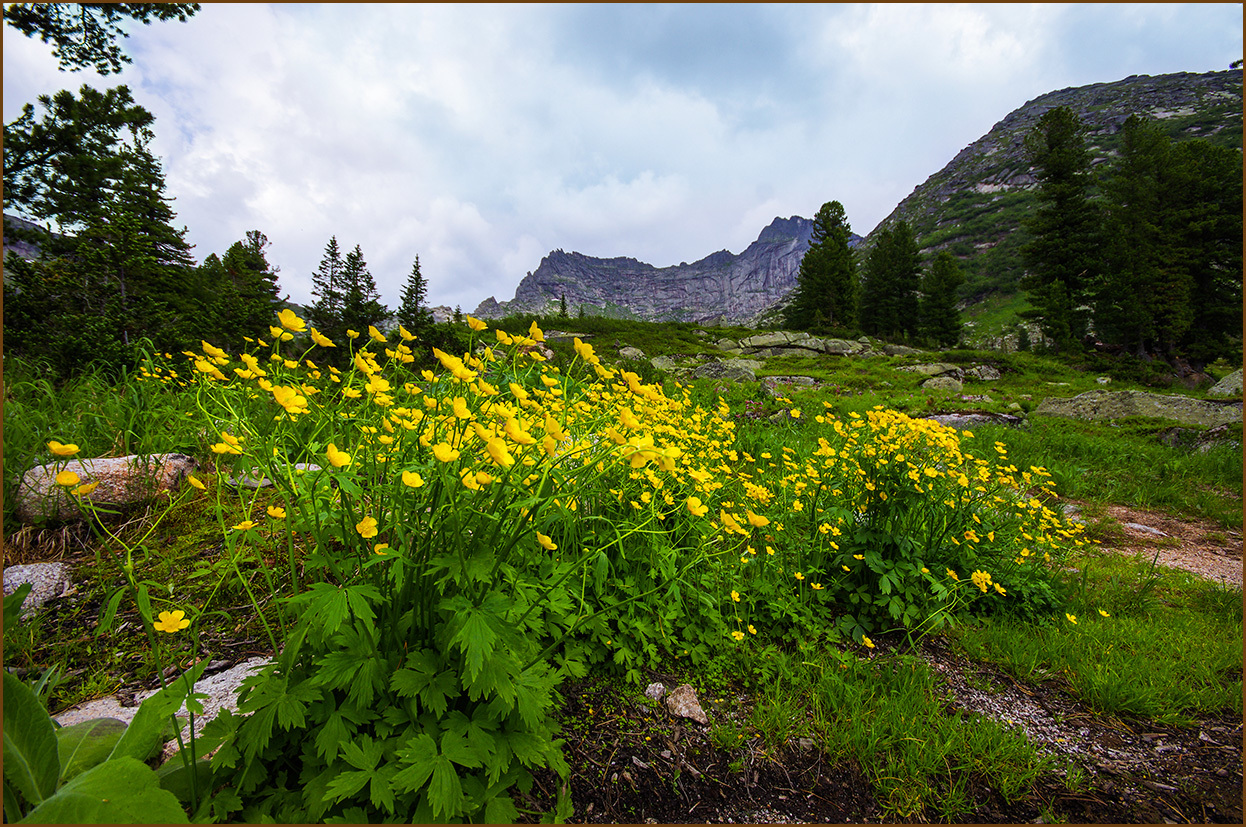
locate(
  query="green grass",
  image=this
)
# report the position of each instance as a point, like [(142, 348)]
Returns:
[(887, 716), (1170, 648), (1125, 464)]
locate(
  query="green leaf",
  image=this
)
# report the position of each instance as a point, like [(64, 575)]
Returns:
[(360, 598), (175, 777), (331, 736), (31, 763), (445, 791), (120, 790), (13, 605), (110, 610), (456, 747), (142, 738), (475, 638), (87, 743), (501, 810), (417, 763)]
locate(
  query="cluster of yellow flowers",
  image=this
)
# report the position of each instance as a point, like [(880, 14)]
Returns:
[(502, 415)]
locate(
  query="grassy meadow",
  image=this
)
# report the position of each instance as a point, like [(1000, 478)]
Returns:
[(490, 525)]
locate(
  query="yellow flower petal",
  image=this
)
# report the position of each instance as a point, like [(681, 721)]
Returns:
[(67, 478), (62, 450)]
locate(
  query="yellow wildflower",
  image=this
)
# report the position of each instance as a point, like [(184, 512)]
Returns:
[(1105, 614), (276, 512), (380, 548), (67, 478), (171, 622), (62, 450), (290, 321), (1072, 618), (756, 520), (738, 635), (86, 488), (337, 458), (366, 528), (411, 479), (444, 452), (245, 525), (869, 644), (696, 507), (545, 541), (735, 595)]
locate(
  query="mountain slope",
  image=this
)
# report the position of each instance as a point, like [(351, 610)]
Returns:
[(974, 205)]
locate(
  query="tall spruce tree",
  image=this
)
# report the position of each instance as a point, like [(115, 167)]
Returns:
[(361, 302), (1139, 298), (825, 295), (413, 314), (1204, 225), (1062, 253), (890, 283), (940, 320), (114, 271), (240, 291), (326, 312)]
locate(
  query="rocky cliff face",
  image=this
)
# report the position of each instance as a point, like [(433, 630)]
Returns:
[(720, 287)]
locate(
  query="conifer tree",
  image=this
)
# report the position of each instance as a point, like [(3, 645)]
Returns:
[(326, 312), (825, 295), (361, 303), (413, 313), (1062, 255), (889, 284), (114, 272), (940, 320)]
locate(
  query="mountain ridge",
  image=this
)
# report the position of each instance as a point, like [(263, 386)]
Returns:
[(721, 287)]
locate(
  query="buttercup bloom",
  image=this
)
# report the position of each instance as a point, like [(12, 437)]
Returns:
[(67, 478), (62, 450), (1072, 618), (366, 528), (276, 512), (245, 525), (337, 458), (171, 622), (546, 543), (290, 321), (411, 479)]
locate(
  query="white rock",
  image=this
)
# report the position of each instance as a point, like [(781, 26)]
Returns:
[(122, 481), (47, 580)]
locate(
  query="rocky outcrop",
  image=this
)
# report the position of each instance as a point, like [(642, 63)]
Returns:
[(1118, 404), (721, 288), (1230, 385), (122, 481)]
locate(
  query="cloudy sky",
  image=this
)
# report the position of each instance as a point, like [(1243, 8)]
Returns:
[(481, 137)]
